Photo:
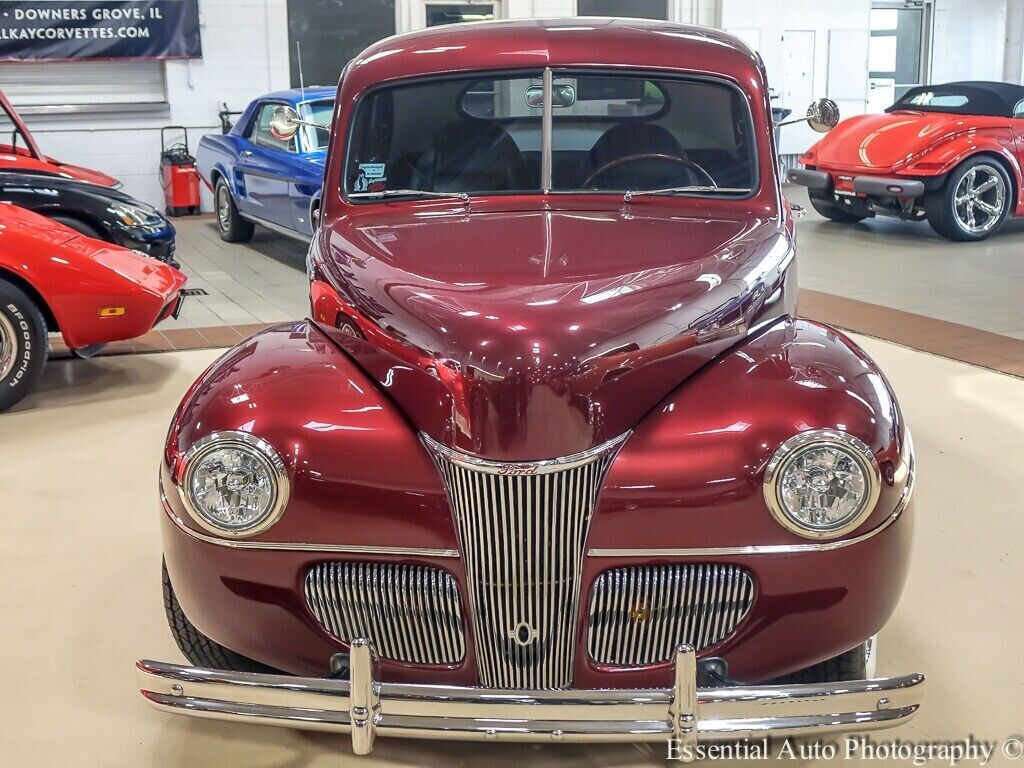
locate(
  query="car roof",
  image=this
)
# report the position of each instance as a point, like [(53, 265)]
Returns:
[(984, 97), (565, 42), (298, 95)]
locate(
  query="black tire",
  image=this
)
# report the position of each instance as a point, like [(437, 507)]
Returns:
[(23, 345), (80, 227), (851, 665), (942, 210), (233, 228), (834, 212), (197, 647)]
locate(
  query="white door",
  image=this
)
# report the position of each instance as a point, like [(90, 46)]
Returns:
[(797, 88)]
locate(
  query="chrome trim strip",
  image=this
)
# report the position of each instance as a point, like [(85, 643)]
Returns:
[(411, 613), (516, 468), (294, 546), (906, 467), (546, 127), (366, 708), (302, 238)]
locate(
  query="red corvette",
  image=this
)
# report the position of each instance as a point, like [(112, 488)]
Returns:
[(951, 154), (52, 279), (553, 459), (30, 159)]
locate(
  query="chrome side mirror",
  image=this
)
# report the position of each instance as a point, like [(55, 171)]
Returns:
[(822, 116), (285, 122)]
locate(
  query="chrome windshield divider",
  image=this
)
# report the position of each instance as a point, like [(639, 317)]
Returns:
[(546, 129)]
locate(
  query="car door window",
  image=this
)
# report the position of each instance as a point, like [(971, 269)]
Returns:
[(262, 134), (1018, 111)]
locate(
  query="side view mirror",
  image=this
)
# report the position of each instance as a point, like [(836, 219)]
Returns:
[(822, 116), (285, 122)]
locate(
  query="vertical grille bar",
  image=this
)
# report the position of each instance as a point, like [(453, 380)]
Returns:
[(640, 614), (522, 531), (409, 613)]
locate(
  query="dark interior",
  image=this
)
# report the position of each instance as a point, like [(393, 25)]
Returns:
[(622, 133)]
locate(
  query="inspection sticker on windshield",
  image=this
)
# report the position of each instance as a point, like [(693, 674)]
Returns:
[(371, 177)]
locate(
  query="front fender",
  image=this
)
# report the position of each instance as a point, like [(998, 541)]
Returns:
[(691, 475), (359, 475)]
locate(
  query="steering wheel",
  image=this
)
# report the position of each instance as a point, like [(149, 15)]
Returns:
[(650, 156)]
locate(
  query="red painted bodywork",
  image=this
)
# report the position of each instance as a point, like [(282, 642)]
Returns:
[(74, 276), (910, 144), (30, 158), (533, 326)]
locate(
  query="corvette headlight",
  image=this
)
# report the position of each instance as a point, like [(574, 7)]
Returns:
[(135, 217), (822, 484), (234, 484)]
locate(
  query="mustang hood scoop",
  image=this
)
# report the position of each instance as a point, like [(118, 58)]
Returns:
[(520, 336)]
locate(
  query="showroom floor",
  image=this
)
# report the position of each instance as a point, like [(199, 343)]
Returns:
[(80, 568)]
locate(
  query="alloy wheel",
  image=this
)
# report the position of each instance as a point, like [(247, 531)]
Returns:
[(979, 199), (223, 208), (8, 346)]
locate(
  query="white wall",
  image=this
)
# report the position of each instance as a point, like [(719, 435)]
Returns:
[(245, 53), (765, 23), (968, 40)]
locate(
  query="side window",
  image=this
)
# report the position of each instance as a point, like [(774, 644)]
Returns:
[(1018, 111), (261, 133)]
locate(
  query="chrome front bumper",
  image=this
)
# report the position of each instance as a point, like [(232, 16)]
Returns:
[(688, 714)]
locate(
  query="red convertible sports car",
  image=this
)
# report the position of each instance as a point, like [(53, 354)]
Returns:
[(53, 279), (951, 154), (553, 459), (26, 157)]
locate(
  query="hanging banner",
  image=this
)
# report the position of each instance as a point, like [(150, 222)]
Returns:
[(48, 30)]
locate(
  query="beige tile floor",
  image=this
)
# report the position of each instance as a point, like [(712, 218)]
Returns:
[(906, 266), (80, 587)]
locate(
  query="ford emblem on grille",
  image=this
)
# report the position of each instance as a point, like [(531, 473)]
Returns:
[(523, 634)]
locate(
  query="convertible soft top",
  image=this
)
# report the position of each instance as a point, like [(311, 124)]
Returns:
[(977, 97)]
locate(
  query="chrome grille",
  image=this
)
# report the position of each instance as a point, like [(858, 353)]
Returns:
[(522, 531), (408, 612), (639, 615)]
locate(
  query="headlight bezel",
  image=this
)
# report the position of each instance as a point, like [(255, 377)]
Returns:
[(259, 448), (798, 444)]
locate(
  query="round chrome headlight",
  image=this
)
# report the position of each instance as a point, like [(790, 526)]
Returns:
[(822, 484), (234, 484)]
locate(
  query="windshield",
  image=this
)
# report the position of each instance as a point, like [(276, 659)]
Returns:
[(322, 113), (610, 133)]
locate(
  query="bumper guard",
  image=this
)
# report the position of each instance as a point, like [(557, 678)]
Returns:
[(366, 708)]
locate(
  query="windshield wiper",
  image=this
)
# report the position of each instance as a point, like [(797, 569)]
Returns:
[(409, 193), (704, 190)]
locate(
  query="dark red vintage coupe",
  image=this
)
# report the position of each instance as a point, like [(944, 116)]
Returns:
[(553, 459)]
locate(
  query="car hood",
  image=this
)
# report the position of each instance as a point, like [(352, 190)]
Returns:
[(885, 141), (533, 334), (20, 162)]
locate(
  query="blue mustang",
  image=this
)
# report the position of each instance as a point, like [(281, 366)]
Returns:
[(261, 175)]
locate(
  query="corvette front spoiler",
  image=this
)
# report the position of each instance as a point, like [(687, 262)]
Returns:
[(684, 713)]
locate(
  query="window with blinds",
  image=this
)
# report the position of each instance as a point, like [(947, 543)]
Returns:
[(71, 86)]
